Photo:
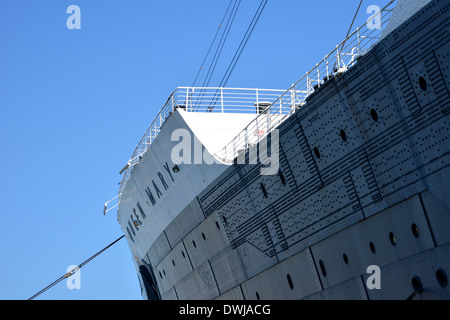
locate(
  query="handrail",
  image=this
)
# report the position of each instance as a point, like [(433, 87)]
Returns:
[(200, 99), (273, 106), (338, 61)]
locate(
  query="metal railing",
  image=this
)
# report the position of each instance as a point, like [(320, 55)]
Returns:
[(199, 99), (273, 106), (344, 56)]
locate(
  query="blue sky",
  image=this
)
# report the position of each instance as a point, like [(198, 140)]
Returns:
[(74, 104)]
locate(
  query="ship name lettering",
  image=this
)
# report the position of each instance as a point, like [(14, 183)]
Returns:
[(134, 222), (166, 166), (163, 181), (150, 196), (141, 210), (130, 227), (158, 192)]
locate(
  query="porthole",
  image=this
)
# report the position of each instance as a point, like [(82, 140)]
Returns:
[(322, 268), (343, 135), (217, 225), (182, 253), (423, 84), (441, 278), (372, 247), (173, 262), (194, 244), (415, 230), (374, 115), (416, 284), (316, 152), (224, 219), (289, 279), (164, 272), (160, 275), (344, 256), (257, 296), (203, 236), (392, 239)]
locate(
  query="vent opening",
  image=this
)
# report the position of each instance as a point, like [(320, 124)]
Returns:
[(417, 284), (317, 153), (415, 230), (372, 247), (374, 115), (283, 180), (441, 278), (263, 190), (322, 268), (423, 84), (392, 239), (344, 256), (289, 279), (343, 135)]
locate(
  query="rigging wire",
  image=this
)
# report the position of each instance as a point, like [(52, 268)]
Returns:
[(353, 21), (71, 273), (240, 49), (222, 43), (350, 28), (212, 43), (243, 44), (218, 52)]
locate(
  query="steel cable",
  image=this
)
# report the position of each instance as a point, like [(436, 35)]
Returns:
[(67, 275)]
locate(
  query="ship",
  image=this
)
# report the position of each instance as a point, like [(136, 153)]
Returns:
[(335, 188)]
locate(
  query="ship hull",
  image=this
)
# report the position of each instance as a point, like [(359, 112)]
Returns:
[(360, 207)]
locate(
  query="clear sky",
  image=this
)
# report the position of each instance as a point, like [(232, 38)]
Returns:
[(74, 104)]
